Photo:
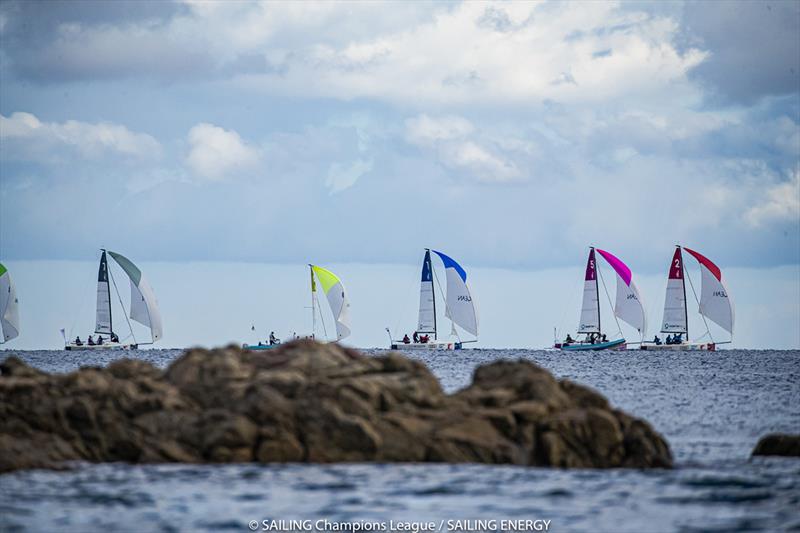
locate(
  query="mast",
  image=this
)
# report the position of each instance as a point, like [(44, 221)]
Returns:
[(683, 283), (313, 303), (429, 266)]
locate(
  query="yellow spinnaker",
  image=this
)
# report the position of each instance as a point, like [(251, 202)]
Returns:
[(327, 278)]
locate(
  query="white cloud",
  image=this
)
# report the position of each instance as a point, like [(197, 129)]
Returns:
[(90, 140), (781, 202), (424, 130), (217, 154), (341, 177), (451, 54), (455, 58), (456, 145)]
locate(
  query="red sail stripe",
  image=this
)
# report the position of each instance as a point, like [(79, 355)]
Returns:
[(706, 262)]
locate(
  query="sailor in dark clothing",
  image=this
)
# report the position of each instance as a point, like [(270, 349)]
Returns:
[(569, 339), (415, 337), (656, 340), (99, 340), (669, 339), (406, 340), (90, 341), (114, 337), (78, 341)]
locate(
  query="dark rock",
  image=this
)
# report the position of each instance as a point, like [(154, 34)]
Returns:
[(778, 444), (310, 402)]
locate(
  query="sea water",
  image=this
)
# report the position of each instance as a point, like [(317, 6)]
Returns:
[(711, 407)]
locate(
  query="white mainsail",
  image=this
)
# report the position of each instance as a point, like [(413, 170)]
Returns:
[(337, 298), (675, 297), (103, 315), (144, 307), (460, 306), (9, 306), (715, 301), (590, 310), (427, 306)]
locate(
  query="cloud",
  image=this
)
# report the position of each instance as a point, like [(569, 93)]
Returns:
[(781, 202), (424, 130), (451, 139), (452, 54), (90, 140), (341, 177), (217, 154), (754, 47)]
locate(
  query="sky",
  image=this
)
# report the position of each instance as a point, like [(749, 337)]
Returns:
[(511, 135)]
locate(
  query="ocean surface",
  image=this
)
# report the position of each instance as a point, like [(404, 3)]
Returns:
[(711, 407)]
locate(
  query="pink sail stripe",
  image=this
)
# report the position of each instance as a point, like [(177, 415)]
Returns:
[(676, 268), (590, 267), (623, 271), (706, 262)]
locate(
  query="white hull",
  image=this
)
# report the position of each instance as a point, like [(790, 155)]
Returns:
[(682, 347), (429, 346), (104, 346)]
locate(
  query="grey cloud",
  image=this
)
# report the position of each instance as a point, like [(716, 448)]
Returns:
[(754, 46)]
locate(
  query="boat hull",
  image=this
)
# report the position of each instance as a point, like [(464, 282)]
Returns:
[(426, 346), (618, 344), (105, 346), (683, 347), (259, 347)]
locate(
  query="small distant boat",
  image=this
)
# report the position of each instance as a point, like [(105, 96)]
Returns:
[(9, 306), (334, 290), (714, 304), (459, 308), (143, 307), (628, 306)]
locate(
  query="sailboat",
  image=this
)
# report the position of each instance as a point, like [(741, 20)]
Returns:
[(9, 313), (628, 306), (714, 304), (338, 302), (459, 308), (143, 306)]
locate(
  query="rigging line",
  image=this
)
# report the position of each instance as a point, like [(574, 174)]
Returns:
[(114, 282), (605, 289), (708, 330), (321, 318)]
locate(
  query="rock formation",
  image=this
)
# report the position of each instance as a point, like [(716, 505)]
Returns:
[(778, 444), (309, 402)]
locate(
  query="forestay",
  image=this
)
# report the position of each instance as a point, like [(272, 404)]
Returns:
[(715, 301), (628, 306), (675, 298), (144, 307), (460, 306), (427, 309), (9, 312), (337, 299), (590, 310)]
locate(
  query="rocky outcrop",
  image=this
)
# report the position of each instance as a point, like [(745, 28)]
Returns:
[(309, 402), (778, 444)]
